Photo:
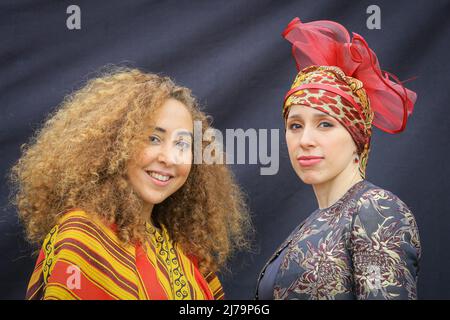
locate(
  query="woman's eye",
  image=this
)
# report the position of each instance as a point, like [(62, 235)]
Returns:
[(154, 139), (325, 124), (294, 126), (183, 145)]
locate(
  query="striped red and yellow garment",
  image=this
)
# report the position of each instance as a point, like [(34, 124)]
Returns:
[(82, 258)]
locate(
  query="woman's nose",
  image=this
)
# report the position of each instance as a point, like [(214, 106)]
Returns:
[(170, 155), (165, 155), (307, 138)]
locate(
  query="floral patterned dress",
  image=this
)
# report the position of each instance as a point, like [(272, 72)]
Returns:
[(364, 246)]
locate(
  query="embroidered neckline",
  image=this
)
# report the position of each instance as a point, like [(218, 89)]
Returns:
[(167, 252)]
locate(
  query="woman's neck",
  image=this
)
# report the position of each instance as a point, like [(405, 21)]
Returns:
[(329, 192), (147, 212)]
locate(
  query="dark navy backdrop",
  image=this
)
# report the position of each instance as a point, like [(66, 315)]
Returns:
[(232, 56)]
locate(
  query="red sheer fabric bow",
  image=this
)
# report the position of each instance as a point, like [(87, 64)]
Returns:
[(327, 43)]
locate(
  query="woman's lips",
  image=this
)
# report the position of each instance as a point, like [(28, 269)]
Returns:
[(158, 182), (309, 161)]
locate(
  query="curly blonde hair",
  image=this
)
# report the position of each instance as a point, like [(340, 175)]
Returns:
[(78, 159)]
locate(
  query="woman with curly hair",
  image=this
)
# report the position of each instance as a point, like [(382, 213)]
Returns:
[(362, 242), (109, 188)]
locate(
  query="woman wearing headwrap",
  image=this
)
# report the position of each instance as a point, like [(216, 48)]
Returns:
[(362, 242)]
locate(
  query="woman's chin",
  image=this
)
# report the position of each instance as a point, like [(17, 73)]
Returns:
[(310, 177), (155, 200)]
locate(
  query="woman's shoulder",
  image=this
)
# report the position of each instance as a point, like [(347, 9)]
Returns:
[(80, 221), (78, 227), (73, 214), (380, 211), (81, 249), (377, 199)]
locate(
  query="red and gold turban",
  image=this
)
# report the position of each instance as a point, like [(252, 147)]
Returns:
[(341, 77)]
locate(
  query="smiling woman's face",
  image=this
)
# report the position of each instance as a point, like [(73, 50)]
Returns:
[(163, 166), (320, 148)]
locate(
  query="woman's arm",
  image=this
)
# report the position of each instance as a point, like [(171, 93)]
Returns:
[(80, 260), (385, 248)]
